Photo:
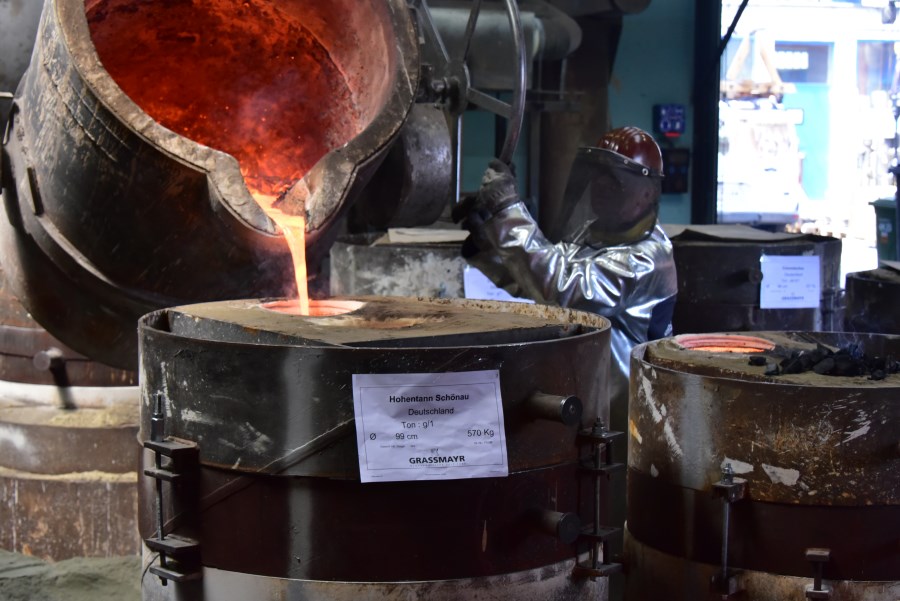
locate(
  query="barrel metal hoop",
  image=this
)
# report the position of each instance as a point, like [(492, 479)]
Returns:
[(765, 536)]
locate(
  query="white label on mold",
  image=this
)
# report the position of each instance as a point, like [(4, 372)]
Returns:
[(790, 282), (442, 426)]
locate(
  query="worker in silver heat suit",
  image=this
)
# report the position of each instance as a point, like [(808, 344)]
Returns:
[(612, 257)]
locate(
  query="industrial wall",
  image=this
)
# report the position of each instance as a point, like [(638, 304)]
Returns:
[(654, 65)]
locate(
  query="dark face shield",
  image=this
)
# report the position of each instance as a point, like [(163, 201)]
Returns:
[(609, 200)]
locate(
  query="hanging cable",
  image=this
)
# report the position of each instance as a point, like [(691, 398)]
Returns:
[(737, 17)]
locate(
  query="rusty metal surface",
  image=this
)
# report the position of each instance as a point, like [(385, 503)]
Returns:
[(83, 514), (171, 221), (324, 529), (818, 454), (216, 378), (765, 537), (807, 439), (550, 583), (261, 412), (872, 301), (654, 575)]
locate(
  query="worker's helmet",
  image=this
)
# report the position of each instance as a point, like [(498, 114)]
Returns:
[(612, 195)]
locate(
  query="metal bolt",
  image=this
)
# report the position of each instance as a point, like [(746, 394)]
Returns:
[(818, 557), (728, 474), (566, 409), (728, 481), (565, 526), (598, 430), (570, 410), (48, 360), (157, 433), (157, 421)]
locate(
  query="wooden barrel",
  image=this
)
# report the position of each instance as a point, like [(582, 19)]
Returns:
[(68, 450)]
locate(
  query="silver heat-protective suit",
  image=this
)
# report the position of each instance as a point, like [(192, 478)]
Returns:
[(613, 260)]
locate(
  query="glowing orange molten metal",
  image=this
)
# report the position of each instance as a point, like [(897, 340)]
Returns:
[(724, 343), (294, 228), (244, 77), (320, 308)]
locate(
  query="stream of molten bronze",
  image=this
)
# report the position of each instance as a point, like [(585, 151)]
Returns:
[(294, 228), (242, 77)]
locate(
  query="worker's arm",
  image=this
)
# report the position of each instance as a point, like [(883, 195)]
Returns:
[(567, 274), (506, 243)]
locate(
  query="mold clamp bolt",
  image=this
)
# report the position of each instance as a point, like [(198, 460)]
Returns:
[(818, 557), (600, 465), (727, 479), (157, 434), (731, 490), (183, 552)]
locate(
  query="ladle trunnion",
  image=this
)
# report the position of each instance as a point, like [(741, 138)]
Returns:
[(252, 484), (747, 484)]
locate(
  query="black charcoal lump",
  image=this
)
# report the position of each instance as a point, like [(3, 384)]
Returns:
[(846, 361)]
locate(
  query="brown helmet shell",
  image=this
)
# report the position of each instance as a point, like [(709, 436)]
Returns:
[(636, 144)]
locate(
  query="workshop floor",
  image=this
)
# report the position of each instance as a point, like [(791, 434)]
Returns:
[(24, 578)]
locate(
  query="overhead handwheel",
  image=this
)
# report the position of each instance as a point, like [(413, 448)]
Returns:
[(422, 170), (452, 83)]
